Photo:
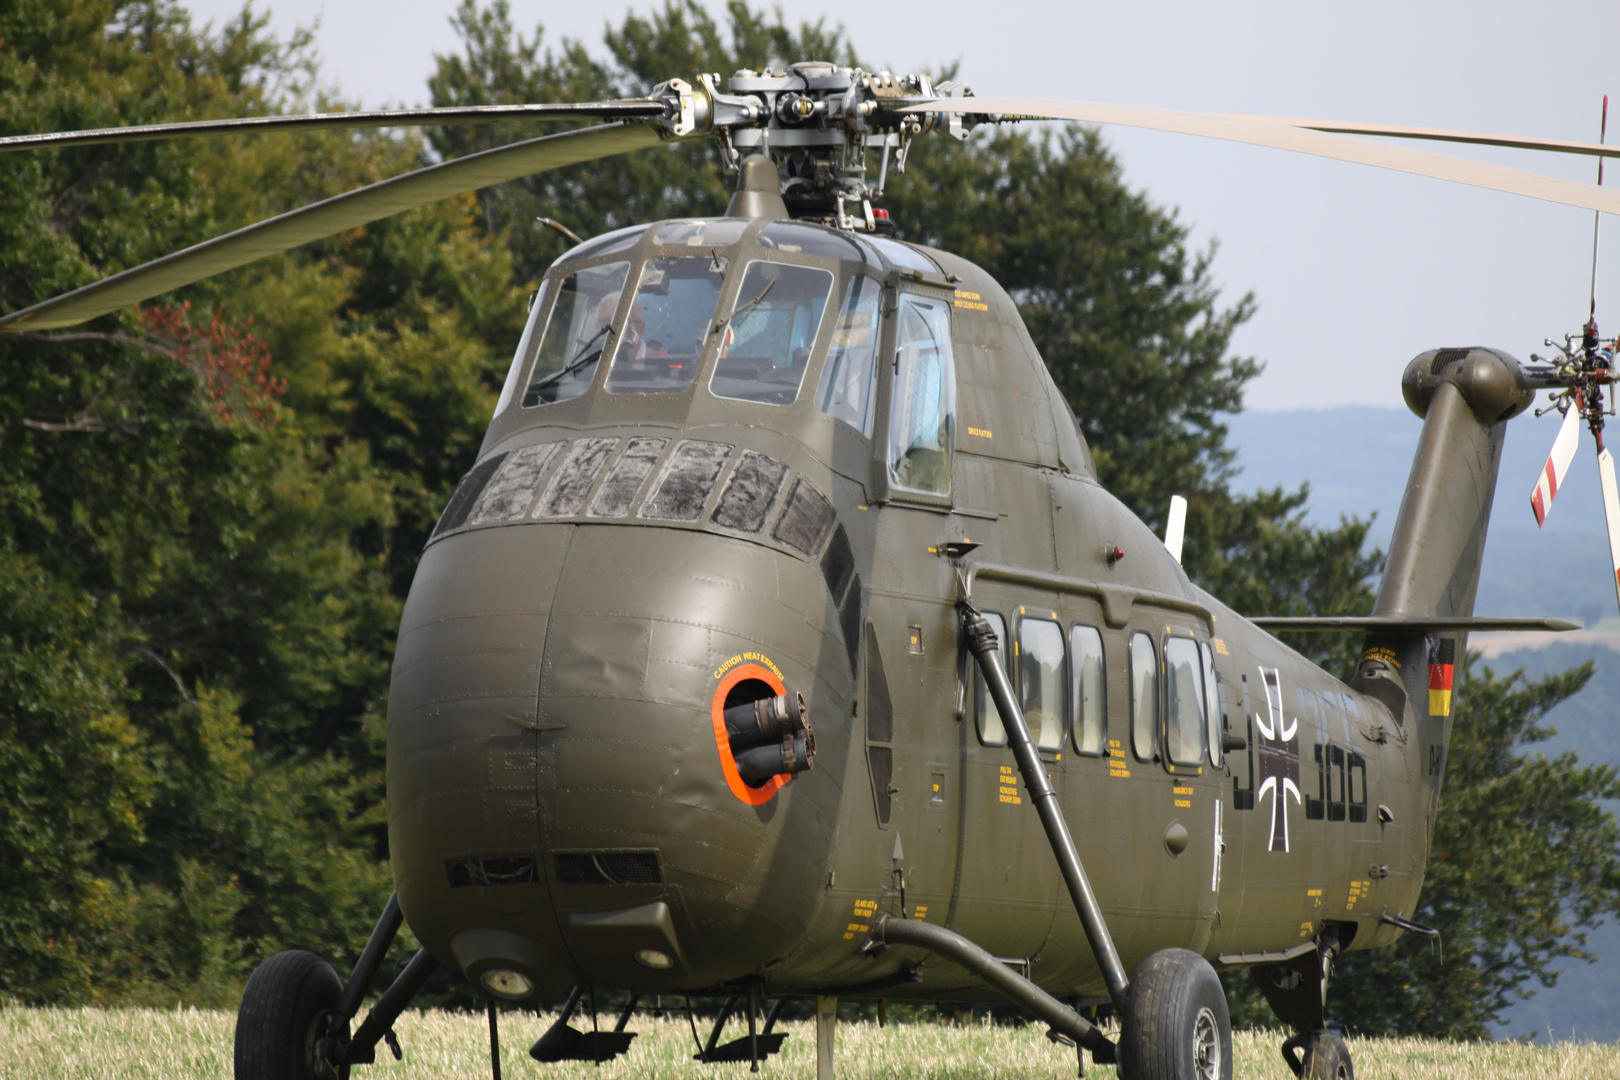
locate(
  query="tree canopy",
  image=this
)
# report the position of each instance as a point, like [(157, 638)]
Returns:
[(214, 504)]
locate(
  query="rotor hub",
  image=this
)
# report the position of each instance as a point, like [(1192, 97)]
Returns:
[(821, 124)]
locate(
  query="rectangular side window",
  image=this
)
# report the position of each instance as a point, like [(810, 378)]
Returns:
[(847, 378), (991, 733), (1089, 692), (922, 415), (1042, 675), (1144, 695), (1184, 712)]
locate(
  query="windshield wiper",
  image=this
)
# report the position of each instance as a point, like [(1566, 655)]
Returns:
[(723, 323), (580, 359)]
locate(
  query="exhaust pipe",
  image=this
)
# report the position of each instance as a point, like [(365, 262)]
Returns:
[(794, 754), (767, 720), (771, 737)]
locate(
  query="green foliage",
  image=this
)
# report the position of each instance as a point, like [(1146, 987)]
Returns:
[(200, 602)]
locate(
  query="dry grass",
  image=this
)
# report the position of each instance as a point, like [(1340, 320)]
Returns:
[(69, 1044)]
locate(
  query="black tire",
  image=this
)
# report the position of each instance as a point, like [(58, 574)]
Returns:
[(276, 1026), (1327, 1058), (1176, 1024)]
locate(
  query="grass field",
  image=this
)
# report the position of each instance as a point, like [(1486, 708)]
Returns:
[(189, 1044)]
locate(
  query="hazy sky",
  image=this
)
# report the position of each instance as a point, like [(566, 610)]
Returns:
[(1355, 270)]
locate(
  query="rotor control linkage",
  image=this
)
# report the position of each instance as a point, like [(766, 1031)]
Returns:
[(982, 643), (889, 930)]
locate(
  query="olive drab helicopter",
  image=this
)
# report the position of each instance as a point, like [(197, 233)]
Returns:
[(781, 642)]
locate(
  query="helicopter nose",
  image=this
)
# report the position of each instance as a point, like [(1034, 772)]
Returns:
[(566, 796)]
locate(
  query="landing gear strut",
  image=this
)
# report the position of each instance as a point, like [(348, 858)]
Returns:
[(295, 1013), (1297, 992)]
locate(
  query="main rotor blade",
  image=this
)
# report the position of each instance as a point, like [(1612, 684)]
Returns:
[(629, 109), (1552, 473), (1611, 515), (1472, 138), (332, 216), (1301, 140)]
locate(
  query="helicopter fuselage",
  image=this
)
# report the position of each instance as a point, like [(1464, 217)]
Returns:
[(714, 508)]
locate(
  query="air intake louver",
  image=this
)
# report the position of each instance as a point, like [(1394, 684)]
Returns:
[(609, 868), (496, 870)]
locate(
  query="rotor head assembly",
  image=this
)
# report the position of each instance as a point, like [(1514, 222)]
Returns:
[(820, 124)]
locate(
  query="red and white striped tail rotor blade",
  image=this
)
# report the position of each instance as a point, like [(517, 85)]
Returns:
[(1552, 473), (1611, 516)]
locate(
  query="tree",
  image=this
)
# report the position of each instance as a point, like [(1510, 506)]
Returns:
[(211, 511)]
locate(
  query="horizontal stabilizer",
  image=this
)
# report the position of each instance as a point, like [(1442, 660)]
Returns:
[(1398, 623)]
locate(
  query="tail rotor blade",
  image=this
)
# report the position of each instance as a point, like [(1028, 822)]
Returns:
[(1611, 516), (1552, 473)]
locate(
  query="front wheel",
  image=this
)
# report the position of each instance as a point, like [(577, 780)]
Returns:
[(1319, 1055), (1176, 1024), (283, 1014)]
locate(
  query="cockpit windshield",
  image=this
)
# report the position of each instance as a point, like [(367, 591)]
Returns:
[(580, 329), (668, 324), (647, 321), (765, 344)]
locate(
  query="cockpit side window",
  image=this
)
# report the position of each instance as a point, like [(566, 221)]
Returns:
[(525, 348), (668, 324), (765, 345), (578, 330), (922, 418), (848, 376)]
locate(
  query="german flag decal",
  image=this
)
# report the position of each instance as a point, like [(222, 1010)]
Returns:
[(1442, 662)]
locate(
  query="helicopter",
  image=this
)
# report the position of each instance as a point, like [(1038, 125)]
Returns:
[(782, 643)]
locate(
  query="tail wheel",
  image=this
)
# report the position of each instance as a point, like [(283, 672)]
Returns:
[(1323, 1056), (1176, 1025), (283, 1014)]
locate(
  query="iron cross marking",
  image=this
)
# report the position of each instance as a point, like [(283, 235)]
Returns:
[(1279, 759)]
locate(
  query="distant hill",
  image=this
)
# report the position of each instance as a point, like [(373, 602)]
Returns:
[(1356, 460)]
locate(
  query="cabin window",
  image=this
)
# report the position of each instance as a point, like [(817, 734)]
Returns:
[(1089, 689), (580, 327), (669, 322), (765, 345), (1214, 703), (1184, 718), (991, 732), (801, 239), (705, 234), (607, 244), (900, 255), (1144, 695), (922, 420), (1042, 677), (848, 376), (525, 347)]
